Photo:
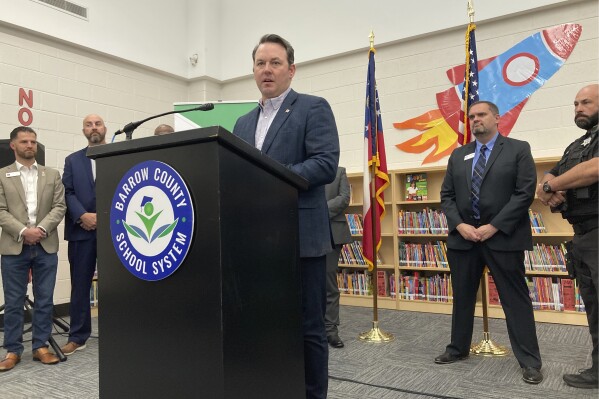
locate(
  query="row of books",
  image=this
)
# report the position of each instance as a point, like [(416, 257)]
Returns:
[(429, 221), (547, 293), (354, 221), (360, 283), (543, 257), (430, 254), (434, 288), (536, 222), (352, 254), (546, 258)]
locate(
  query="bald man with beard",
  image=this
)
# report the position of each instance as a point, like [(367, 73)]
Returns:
[(572, 188), (79, 179)]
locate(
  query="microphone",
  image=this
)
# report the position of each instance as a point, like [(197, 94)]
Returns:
[(131, 126), (203, 107)]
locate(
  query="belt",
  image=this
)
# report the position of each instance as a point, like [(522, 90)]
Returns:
[(586, 226)]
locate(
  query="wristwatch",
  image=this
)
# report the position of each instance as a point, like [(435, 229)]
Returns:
[(547, 187)]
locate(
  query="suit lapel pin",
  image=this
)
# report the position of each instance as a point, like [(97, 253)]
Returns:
[(287, 110)]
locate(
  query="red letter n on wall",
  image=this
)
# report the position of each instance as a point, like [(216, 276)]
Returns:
[(25, 114)]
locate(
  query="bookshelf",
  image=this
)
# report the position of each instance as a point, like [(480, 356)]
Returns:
[(410, 254)]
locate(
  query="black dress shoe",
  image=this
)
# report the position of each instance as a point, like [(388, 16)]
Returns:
[(585, 379), (447, 358), (335, 341), (531, 375)]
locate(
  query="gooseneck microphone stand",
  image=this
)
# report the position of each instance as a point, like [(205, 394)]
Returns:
[(131, 126)]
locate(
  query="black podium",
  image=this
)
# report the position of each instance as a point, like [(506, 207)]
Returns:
[(227, 322)]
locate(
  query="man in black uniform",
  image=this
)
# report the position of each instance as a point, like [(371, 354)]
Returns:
[(571, 187)]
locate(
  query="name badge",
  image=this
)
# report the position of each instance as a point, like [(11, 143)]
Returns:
[(469, 156), (13, 174)]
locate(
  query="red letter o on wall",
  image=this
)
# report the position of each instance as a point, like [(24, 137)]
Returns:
[(25, 116)]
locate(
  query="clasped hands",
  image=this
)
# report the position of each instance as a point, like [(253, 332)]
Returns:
[(551, 199), (476, 234), (87, 221), (33, 235)]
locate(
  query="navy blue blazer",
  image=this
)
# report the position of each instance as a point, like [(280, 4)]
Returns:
[(506, 193), (303, 137), (80, 194)]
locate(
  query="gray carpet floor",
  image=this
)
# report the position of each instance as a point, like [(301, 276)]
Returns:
[(403, 368)]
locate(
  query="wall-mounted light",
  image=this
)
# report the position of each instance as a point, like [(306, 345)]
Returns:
[(193, 60)]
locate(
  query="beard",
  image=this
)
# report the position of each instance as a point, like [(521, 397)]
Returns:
[(96, 137), (586, 122), (27, 154), (479, 130)]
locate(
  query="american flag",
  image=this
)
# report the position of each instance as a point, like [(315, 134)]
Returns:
[(470, 91), (374, 154)]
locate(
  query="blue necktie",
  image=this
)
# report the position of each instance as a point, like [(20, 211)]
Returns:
[(477, 179)]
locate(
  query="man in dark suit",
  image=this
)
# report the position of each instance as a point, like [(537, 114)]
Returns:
[(337, 194), (31, 207), (299, 131), (79, 180), (487, 191)]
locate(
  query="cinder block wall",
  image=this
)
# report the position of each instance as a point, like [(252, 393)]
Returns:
[(68, 83), (410, 73), (65, 84)]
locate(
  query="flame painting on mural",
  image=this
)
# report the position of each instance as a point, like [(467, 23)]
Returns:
[(507, 80)]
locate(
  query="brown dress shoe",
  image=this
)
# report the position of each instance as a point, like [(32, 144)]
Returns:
[(45, 356), (10, 361), (71, 347)]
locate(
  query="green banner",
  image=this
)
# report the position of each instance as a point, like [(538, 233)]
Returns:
[(224, 114)]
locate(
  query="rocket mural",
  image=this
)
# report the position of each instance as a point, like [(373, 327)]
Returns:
[(507, 80)]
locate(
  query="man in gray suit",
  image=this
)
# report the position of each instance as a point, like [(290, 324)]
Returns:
[(337, 194), (31, 207), (299, 131)]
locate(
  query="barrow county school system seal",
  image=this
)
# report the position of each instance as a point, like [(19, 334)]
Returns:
[(151, 220)]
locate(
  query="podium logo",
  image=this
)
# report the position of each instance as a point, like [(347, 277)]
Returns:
[(151, 220)]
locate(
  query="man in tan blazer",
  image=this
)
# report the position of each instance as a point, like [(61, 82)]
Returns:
[(31, 207)]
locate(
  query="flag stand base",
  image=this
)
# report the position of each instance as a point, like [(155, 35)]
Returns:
[(487, 347), (376, 335)]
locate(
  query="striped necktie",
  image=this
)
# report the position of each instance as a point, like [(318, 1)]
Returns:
[(477, 179)]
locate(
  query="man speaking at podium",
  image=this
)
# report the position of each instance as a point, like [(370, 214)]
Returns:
[(299, 131)]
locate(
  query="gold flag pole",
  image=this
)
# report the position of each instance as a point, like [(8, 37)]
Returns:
[(486, 347), (375, 334)]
